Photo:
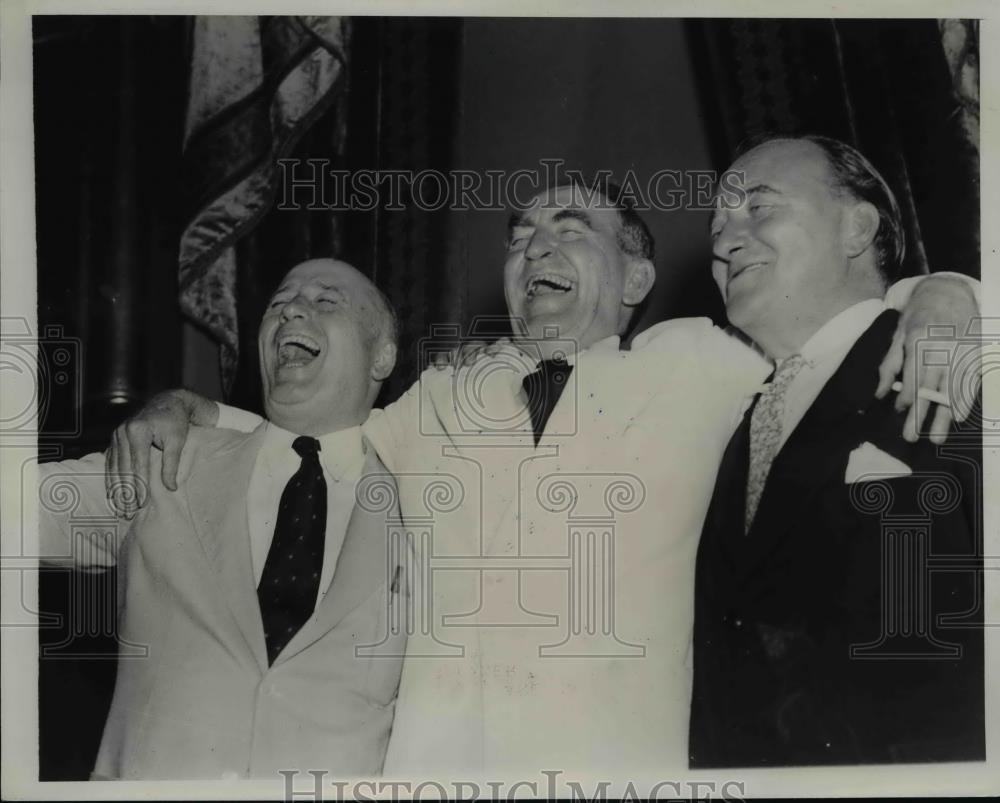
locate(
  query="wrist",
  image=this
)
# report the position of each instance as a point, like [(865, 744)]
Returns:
[(200, 411)]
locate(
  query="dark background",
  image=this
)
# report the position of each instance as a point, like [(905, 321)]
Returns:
[(497, 94)]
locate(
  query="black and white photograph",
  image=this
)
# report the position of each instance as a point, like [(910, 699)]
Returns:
[(499, 402)]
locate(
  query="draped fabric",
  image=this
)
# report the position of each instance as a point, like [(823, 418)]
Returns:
[(256, 85), (960, 39), (904, 92)]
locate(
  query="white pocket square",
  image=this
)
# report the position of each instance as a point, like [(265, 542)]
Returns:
[(868, 462)]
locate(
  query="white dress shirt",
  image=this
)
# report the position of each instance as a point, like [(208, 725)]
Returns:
[(342, 458)]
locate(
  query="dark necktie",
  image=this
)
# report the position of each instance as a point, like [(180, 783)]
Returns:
[(543, 388), (290, 580)]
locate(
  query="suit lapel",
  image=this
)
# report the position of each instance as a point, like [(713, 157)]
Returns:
[(814, 449), (365, 563), (724, 522), (217, 500)]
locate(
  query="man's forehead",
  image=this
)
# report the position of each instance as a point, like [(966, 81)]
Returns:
[(781, 161), (328, 274), (548, 204), (778, 166)]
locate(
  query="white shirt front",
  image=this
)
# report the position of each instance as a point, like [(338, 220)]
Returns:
[(342, 458)]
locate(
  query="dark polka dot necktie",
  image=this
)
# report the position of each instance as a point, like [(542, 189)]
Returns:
[(543, 388), (290, 580)]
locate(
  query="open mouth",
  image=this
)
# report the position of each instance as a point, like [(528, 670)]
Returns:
[(547, 284), (295, 350)]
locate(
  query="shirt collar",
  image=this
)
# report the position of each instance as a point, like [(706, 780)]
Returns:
[(341, 452), (841, 332)]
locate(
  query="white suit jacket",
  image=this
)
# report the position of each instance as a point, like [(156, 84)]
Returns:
[(555, 584), (194, 696)]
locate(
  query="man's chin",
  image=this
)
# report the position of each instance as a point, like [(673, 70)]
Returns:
[(292, 384), (547, 324)]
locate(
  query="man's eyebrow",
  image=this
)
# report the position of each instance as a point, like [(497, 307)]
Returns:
[(518, 220), (573, 214), (742, 194), (761, 188), (333, 287)]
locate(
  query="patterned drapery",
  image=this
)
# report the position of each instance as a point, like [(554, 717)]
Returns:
[(256, 85)]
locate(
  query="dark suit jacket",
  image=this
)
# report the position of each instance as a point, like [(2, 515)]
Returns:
[(846, 626)]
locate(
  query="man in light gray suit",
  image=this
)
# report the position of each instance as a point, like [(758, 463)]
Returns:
[(258, 587)]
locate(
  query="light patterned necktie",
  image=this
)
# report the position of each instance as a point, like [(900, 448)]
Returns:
[(765, 430)]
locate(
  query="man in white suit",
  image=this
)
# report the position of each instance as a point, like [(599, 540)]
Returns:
[(254, 593), (556, 551)]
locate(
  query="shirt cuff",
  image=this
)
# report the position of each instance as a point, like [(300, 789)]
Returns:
[(898, 296), (234, 418)]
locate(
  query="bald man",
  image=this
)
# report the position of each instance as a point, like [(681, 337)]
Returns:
[(253, 594)]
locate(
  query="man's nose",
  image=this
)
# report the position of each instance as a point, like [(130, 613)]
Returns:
[(730, 240), (297, 307), (539, 246)]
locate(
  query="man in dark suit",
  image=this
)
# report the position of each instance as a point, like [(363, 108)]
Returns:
[(838, 597)]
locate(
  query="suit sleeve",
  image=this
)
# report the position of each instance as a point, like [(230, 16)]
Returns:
[(718, 365), (395, 430), (77, 525), (234, 418)]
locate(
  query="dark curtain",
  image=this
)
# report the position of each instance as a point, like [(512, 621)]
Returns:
[(108, 110), (398, 113), (888, 87)]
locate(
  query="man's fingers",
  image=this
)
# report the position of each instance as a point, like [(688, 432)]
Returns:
[(941, 425), (140, 441), (118, 480), (907, 395), (123, 460), (964, 392), (109, 455), (171, 461), (891, 365), (471, 351)]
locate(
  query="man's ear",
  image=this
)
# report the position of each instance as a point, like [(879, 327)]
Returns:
[(385, 361), (638, 282), (861, 223)]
